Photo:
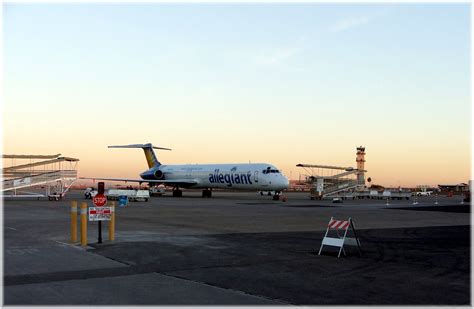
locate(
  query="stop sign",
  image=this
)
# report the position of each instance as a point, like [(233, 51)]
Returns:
[(99, 200)]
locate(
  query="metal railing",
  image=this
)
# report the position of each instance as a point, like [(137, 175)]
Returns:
[(340, 187), (38, 179)]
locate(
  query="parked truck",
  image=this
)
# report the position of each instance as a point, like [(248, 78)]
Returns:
[(422, 193)]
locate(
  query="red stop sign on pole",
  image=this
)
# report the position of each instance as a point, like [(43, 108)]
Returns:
[(99, 200)]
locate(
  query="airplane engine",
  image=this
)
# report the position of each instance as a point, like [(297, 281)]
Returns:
[(159, 174)]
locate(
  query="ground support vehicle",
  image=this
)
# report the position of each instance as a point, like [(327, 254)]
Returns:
[(157, 191), (133, 195), (89, 193)]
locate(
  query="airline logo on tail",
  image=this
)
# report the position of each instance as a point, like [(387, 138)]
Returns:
[(150, 156)]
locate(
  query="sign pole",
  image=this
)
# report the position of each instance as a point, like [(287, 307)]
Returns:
[(100, 190), (99, 239), (112, 223), (100, 212)]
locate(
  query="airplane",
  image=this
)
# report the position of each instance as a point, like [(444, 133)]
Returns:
[(239, 176)]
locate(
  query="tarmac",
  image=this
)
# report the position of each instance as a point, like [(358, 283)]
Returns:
[(239, 249)]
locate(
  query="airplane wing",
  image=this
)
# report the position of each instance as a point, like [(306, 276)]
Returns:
[(188, 182)]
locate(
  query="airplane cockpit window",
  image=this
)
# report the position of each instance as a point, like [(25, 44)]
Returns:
[(269, 170)]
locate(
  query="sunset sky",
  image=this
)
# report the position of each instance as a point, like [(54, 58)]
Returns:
[(221, 83)]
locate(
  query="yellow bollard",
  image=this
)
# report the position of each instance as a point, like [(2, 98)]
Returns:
[(73, 221), (112, 223), (83, 224)]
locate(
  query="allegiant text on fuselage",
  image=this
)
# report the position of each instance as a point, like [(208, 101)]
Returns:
[(230, 179)]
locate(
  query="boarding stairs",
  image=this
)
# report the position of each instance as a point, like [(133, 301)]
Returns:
[(38, 180), (344, 186), (54, 173)]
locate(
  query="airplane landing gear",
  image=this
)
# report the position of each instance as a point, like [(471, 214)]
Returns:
[(177, 192), (207, 193), (276, 197)]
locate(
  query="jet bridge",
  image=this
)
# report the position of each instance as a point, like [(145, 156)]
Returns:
[(52, 173), (327, 180)]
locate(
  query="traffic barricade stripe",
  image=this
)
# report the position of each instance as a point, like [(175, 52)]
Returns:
[(339, 240), (338, 224)]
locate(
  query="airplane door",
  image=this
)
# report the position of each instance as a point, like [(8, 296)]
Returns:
[(255, 176)]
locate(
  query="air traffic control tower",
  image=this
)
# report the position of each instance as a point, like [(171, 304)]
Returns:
[(360, 159)]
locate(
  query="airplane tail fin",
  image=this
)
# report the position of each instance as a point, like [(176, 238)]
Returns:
[(151, 158)]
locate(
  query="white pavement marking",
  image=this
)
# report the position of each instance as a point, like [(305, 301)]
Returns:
[(21, 251), (75, 246)]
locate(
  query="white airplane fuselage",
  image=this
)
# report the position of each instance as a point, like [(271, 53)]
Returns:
[(236, 176), (239, 176)]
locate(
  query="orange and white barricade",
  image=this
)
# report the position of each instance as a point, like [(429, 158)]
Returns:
[(334, 238)]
